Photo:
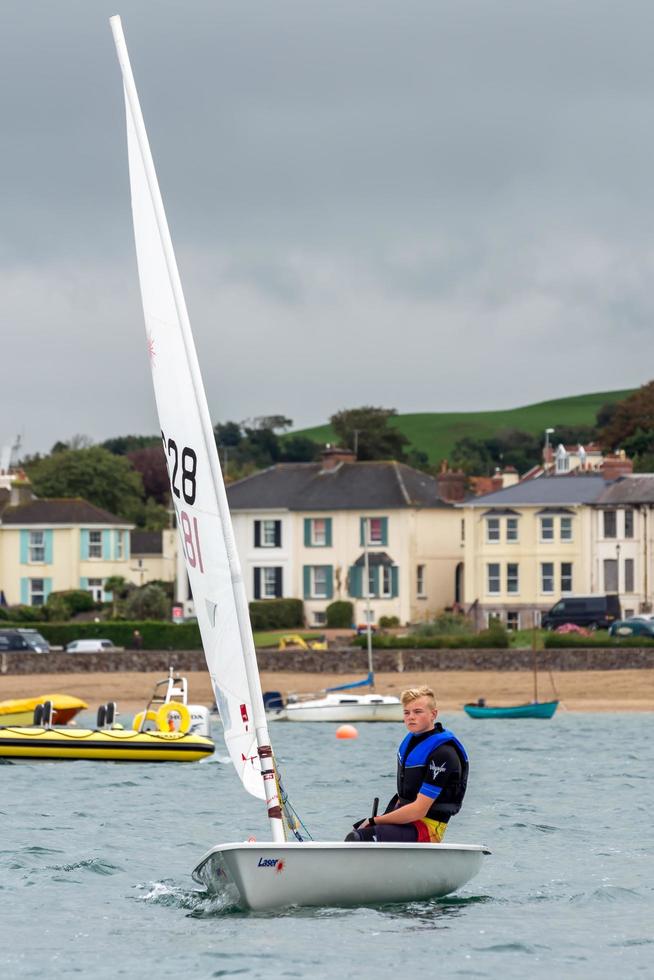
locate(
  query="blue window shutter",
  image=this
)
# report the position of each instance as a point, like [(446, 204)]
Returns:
[(47, 588), (278, 534), (328, 532), (330, 581), (307, 532), (362, 531), (48, 547), (257, 534), (257, 583), (355, 581), (384, 530), (395, 581), (306, 576), (24, 591), (279, 588), (84, 544), (24, 548), (84, 584), (106, 545), (126, 544)]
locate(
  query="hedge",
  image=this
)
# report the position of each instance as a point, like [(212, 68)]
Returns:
[(340, 615), (156, 635), (276, 614), (561, 640), (486, 640)]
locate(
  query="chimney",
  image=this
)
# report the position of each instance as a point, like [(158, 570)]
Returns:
[(451, 485), (615, 465), (509, 476), (332, 456)]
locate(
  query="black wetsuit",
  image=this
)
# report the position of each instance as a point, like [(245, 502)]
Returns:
[(440, 774)]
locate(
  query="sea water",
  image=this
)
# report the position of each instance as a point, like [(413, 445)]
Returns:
[(95, 861)]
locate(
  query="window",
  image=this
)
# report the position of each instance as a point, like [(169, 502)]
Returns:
[(94, 586), (268, 583), (493, 578), (492, 529), (37, 546), (372, 583), (319, 581), (629, 574), (119, 546), (611, 573), (375, 530), (629, 524), (566, 576), (320, 618), (512, 529), (37, 591), (268, 534), (547, 528), (609, 524), (547, 577), (420, 580), (566, 529), (95, 544), (319, 532), (386, 583), (512, 581), (513, 620)]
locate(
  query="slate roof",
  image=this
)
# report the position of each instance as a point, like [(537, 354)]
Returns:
[(64, 510), (629, 490), (348, 486), (146, 543), (546, 490)]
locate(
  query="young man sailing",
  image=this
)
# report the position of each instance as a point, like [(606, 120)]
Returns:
[(432, 773)]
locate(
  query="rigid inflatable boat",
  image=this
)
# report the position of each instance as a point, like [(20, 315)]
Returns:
[(20, 711), (59, 742)]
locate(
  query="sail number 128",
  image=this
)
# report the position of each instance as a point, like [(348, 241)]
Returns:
[(188, 483)]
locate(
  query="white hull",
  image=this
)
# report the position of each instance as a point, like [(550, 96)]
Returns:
[(364, 707), (267, 876)]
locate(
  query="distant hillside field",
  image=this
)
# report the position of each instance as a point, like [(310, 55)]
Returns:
[(435, 433)]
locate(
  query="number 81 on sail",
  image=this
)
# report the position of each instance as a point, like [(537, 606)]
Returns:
[(190, 531)]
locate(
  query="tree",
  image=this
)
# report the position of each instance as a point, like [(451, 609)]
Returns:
[(299, 449), (94, 474), (369, 432), (633, 413), (151, 464), (148, 602), (122, 445), (119, 589), (472, 456)]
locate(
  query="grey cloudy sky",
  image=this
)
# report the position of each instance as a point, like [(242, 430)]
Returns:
[(427, 204)]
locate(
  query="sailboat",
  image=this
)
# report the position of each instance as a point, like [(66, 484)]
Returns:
[(280, 872), (338, 704), (531, 709)]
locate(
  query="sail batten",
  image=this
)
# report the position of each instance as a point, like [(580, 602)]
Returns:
[(204, 523)]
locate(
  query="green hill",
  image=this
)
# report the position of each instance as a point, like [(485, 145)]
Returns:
[(435, 433)]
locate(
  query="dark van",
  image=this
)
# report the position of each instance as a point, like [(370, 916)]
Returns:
[(12, 640), (593, 611)]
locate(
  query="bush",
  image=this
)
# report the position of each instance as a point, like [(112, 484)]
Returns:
[(340, 615), (148, 602), (388, 622), (447, 624), (559, 641), (276, 614), (4, 612), (26, 614), (487, 639), (66, 604)]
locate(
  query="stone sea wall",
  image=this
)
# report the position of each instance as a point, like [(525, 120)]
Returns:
[(343, 661)]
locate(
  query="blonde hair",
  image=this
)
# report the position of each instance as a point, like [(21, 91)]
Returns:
[(407, 697)]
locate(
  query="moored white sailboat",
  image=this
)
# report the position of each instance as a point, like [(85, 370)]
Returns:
[(278, 873)]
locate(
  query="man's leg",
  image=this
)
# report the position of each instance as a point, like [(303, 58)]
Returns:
[(387, 833)]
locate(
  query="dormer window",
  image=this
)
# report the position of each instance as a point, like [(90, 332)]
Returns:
[(562, 460)]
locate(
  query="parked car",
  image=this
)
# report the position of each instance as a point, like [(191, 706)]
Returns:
[(37, 642), (12, 640), (593, 611), (90, 646), (634, 626)]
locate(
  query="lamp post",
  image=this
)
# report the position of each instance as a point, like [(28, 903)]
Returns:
[(617, 570)]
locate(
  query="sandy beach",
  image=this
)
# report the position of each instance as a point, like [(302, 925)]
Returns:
[(593, 690)]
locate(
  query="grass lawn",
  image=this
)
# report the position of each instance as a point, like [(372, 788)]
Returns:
[(435, 433)]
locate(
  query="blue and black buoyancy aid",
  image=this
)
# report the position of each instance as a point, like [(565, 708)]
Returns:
[(411, 767)]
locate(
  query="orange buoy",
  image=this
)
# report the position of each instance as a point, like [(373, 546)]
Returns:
[(346, 731)]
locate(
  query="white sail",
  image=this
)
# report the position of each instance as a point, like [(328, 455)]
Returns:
[(196, 481)]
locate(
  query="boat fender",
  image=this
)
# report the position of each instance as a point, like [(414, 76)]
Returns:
[(164, 721), (101, 716), (47, 714), (38, 714), (111, 713), (142, 717)]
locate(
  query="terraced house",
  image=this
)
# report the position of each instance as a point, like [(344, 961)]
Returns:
[(300, 531)]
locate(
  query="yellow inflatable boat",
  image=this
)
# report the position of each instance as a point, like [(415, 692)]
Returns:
[(20, 711), (58, 743)]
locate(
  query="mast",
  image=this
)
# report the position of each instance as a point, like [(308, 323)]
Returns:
[(238, 586), (366, 573), (534, 663)]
